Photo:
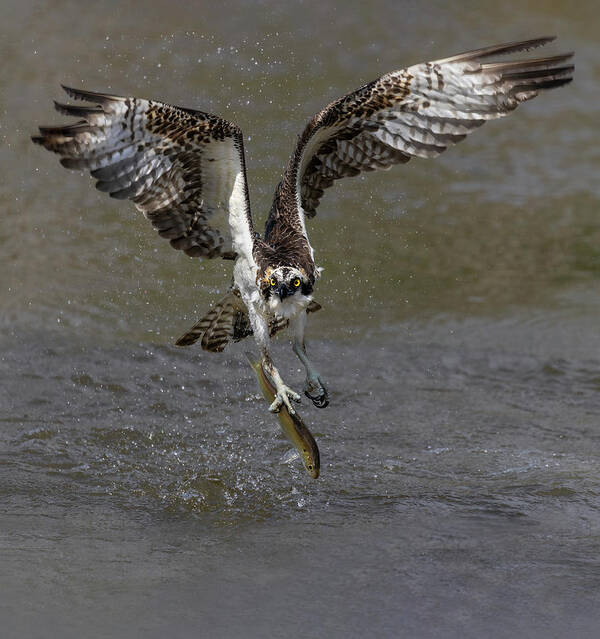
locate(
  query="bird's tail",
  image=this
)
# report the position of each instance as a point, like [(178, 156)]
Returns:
[(227, 321)]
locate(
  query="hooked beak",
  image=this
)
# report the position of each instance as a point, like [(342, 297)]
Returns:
[(283, 290)]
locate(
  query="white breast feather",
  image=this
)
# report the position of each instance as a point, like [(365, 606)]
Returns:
[(238, 219)]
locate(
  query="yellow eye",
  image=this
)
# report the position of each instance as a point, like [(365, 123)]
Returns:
[(296, 282), (273, 281)]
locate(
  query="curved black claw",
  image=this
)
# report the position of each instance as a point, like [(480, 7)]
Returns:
[(321, 400)]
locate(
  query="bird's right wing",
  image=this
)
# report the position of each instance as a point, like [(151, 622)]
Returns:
[(184, 169)]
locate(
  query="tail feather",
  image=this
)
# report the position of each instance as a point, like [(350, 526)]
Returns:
[(227, 321), (216, 328)]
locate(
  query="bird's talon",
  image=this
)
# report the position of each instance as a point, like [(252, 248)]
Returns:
[(317, 393), (283, 397), (275, 407), (320, 401)]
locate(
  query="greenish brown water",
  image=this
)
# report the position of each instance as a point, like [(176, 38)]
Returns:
[(142, 489)]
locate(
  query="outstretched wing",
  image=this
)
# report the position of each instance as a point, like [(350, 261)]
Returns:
[(184, 169), (415, 112)]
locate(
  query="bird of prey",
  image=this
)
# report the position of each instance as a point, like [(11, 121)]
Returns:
[(185, 170)]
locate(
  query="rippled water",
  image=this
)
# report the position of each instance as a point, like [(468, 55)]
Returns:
[(144, 489)]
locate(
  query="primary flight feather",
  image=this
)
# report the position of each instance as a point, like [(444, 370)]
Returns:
[(185, 170)]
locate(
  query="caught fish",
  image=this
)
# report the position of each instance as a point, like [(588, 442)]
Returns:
[(292, 425)]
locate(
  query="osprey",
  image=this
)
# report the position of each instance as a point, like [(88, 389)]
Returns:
[(185, 170)]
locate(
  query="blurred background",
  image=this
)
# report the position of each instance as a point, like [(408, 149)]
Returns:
[(143, 488)]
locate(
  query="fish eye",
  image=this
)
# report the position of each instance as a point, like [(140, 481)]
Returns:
[(273, 281), (297, 282)]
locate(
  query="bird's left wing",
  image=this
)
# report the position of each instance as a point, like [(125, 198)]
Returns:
[(414, 112), (184, 169)]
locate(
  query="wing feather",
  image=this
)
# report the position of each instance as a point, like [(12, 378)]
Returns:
[(184, 169), (415, 112)]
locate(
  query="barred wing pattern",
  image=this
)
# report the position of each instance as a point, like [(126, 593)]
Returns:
[(225, 322), (415, 112), (184, 169)]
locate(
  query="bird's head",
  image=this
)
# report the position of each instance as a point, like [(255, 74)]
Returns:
[(286, 290)]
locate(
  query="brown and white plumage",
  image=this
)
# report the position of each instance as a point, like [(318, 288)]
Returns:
[(185, 170), (228, 321), (177, 165), (416, 112)]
